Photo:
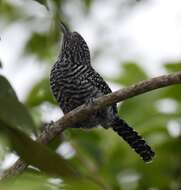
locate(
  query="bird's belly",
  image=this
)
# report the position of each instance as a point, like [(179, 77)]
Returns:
[(74, 94)]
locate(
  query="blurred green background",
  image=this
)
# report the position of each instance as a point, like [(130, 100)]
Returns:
[(102, 158)]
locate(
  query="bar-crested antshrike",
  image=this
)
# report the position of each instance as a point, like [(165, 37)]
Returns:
[(74, 82)]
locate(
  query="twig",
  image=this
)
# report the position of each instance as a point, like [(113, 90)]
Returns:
[(84, 111)]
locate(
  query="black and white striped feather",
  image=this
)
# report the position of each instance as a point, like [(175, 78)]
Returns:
[(74, 82)]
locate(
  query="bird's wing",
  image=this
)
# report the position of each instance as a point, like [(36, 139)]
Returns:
[(96, 80)]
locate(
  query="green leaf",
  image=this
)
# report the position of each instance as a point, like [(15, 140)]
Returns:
[(58, 4), (130, 74), (9, 12), (1, 65), (173, 67), (32, 180), (85, 184), (42, 45), (87, 3), (37, 45), (87, 141), (4, 146), (40, 93), (37, 154), (139, 108), (43, 2), (12, 111), (172, 92)]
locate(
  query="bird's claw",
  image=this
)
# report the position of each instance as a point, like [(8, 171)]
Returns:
[(90, 101), (48, 126)]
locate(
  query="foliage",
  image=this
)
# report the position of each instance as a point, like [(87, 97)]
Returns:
[(13, 117), (101, 158), (9, 101)]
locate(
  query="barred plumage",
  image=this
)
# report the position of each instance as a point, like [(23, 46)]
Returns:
[(74, 82)]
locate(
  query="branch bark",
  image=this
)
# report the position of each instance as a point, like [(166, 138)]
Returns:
[(84, 111)]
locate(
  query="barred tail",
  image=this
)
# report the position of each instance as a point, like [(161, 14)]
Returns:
[(133, 139)]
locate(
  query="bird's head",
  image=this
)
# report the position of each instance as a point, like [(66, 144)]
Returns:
[(74, 45)]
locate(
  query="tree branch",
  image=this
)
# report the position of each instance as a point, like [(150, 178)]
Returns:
[(84, 111)]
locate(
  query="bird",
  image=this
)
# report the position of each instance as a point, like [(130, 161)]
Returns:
[(74, 82)]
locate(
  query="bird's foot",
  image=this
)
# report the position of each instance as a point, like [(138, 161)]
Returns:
[(48, 126), (90, 101)]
